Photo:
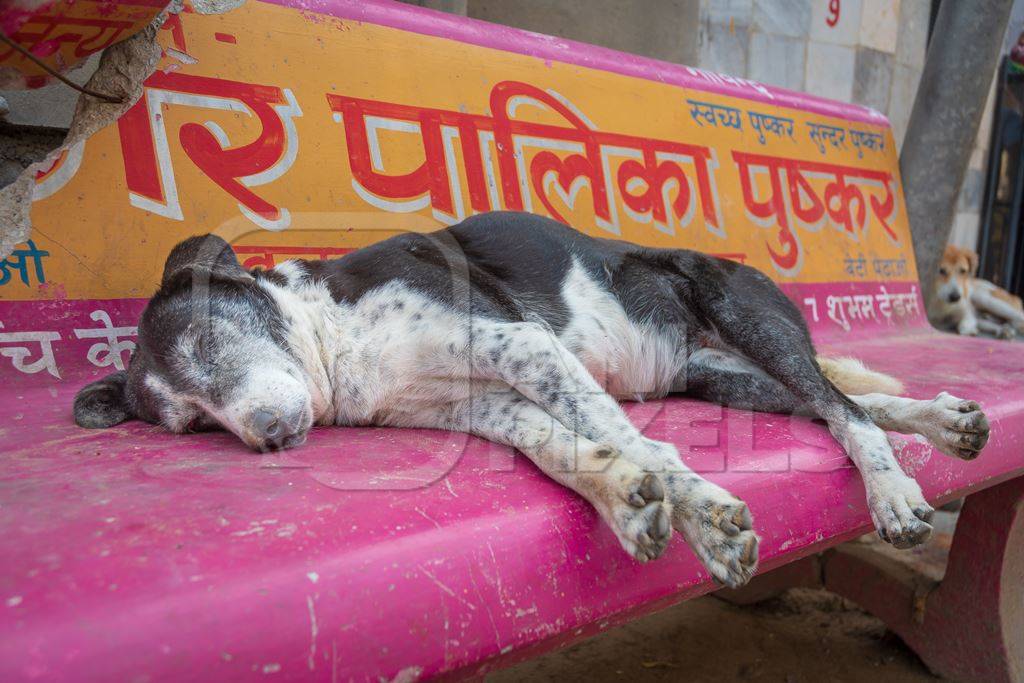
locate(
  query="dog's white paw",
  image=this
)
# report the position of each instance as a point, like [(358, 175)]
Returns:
[(954, 425), (899, 510), (644, 532), (634, 505), (719, 529), (968, 328)]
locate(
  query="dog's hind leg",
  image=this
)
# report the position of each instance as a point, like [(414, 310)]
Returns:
[(953, 425), (723, 377), (755, 318)]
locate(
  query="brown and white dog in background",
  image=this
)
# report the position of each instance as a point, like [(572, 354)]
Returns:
[(971, 305)]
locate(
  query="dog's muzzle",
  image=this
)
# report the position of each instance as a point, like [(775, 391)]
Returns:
[(273, 430), (954, 296)]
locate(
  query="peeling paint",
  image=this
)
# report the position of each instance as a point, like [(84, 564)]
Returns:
[(313, 631), (182, 57), (122, 70)]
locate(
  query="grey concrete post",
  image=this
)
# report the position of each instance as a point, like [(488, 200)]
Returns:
[(944, 122)]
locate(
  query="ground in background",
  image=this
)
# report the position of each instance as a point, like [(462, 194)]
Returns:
[(803, 635)]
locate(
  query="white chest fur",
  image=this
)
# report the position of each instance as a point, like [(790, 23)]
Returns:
[(396, 357)]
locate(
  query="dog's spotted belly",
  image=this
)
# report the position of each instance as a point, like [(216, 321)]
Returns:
[(630, 360)]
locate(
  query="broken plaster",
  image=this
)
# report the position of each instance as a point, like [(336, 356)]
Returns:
[(122, 70)]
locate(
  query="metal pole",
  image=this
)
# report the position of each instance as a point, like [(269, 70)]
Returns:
[(950, 101)]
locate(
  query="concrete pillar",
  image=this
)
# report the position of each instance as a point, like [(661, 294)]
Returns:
[(958, 70)]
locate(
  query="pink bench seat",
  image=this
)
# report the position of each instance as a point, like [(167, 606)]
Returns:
[(136, 555)]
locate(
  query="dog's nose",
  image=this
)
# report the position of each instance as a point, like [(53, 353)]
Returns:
[(270, 426), (954, 297)]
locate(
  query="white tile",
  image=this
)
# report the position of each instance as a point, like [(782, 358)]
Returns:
[(912, 40), (783, 17), (838, 28), (879, 24), (729, 12), (830, 71), (777, 60), (724, 49)]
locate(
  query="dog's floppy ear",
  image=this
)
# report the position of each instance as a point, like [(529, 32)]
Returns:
[(972, 263), (206, 253), (103, 403)]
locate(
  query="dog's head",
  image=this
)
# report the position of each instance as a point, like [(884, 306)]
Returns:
[(211, 353), (956, 269)]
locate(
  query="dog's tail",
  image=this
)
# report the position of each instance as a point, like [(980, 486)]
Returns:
[(853, 379)]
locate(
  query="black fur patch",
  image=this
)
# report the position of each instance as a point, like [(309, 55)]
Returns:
[(103, 403)]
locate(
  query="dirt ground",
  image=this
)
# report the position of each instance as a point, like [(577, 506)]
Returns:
[(804, 635)]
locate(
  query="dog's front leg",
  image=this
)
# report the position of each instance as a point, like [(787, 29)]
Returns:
[(1000, 330), (985, 301), (528, 357), (968, 325), (630, 500)]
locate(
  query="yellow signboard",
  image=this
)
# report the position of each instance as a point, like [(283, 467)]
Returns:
[(298, 134)]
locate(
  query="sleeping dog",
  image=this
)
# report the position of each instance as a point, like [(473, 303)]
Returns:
[(970, 305), (523, 331)]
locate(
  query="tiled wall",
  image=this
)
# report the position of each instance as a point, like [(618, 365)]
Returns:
[(865, 51)]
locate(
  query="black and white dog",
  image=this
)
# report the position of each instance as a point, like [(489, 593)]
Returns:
[(523, 331)]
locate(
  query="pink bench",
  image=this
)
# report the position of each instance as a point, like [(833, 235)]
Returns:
[(394, 555)]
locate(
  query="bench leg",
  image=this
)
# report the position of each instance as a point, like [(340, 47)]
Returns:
[(970, 625), (967, 626)]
